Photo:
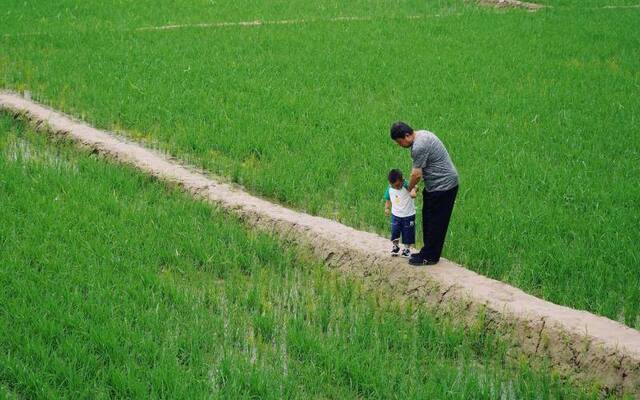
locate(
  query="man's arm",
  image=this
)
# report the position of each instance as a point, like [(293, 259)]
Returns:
[(416, 175)]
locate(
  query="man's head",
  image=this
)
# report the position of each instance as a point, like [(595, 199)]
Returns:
[(402, 134), (395, 179)]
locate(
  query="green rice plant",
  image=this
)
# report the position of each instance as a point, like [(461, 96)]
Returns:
[(114, 285), (538, 110)]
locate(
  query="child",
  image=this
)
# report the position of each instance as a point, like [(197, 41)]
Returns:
[(399, 203)]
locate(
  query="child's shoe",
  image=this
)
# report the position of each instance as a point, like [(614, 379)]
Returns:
[(406, 252), (395, 250)]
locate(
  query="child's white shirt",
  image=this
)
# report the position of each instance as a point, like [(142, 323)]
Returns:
[(402, 204)]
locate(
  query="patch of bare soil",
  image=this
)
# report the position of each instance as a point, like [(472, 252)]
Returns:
[(511, 4)]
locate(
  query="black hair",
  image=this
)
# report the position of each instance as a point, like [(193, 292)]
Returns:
[(399, 130), (394, 175)]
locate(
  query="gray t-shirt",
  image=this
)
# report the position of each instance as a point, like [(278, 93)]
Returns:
[(429, 154)]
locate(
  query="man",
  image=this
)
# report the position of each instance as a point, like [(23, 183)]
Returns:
[(431, 162)]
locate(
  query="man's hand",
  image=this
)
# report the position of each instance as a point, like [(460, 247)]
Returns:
[(413, 193), (387, 212)]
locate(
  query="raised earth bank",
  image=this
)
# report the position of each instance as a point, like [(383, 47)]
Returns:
[(511, 4), (578, 344)]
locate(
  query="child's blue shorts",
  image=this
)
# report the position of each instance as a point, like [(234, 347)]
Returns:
[(404, 226)]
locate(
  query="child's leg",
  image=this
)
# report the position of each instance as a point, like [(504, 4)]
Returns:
[(408, 234), (396, 231)]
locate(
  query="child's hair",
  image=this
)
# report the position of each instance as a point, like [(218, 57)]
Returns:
[(394, 175)]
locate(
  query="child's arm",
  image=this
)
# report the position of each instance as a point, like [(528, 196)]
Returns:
[(387, 202), (413, 193)]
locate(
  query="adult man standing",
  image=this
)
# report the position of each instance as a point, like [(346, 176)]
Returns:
[(431, 162)]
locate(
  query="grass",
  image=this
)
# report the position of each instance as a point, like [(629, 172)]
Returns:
[(114, 286), (539, 112)]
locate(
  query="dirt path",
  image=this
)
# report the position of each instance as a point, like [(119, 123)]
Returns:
[(258, 23), (578, 344), (278, 22), (511, 4)]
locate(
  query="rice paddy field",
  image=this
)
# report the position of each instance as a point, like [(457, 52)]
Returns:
[(116, 287), (113, 284)]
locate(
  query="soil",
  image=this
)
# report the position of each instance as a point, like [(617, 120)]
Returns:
[(511, 4)]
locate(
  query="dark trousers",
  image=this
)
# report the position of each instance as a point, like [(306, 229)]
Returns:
[(436, 213)]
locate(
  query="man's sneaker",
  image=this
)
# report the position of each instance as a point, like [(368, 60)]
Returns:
[(419, 260), (406, 252), (395, 250)]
